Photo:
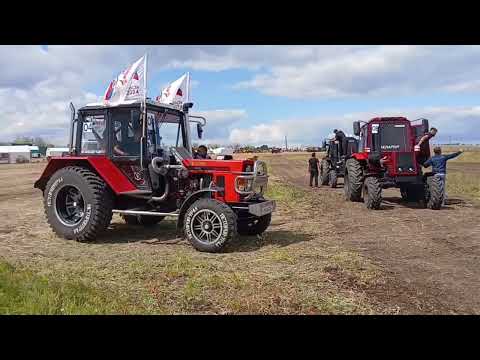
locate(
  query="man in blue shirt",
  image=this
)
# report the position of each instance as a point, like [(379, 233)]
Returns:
[(438, 162)]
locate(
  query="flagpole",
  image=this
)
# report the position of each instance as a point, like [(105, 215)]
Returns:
[(144, 109), (187, 126)]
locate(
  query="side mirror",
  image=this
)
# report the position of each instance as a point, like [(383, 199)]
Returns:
[(199, 131), (187, 106), (425, 125), (356, 128)]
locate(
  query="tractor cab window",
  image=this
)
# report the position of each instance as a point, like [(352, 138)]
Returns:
[(127, 132), (93, 134), (168, 130)]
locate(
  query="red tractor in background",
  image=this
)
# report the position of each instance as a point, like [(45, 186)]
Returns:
[(136, 160), (388, 157)]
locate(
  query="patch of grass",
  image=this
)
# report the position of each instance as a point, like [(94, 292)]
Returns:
[(285, 193), (463, 184), (23, 292)]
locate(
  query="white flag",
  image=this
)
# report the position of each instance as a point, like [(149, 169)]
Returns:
[(129, 84), (178, 92)]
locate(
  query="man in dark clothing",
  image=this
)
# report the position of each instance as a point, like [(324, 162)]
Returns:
[(201, 153), (433, 131), (313, 169), (423, 145), (342, 141), (438, 162)]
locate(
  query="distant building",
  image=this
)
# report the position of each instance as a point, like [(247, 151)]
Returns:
[(16, 153), (57, 152)]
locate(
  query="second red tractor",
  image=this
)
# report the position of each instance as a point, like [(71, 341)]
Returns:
[(388, 157)]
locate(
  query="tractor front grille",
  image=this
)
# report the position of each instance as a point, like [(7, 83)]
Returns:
[(406, 163)]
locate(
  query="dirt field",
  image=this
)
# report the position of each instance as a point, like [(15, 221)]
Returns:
[(435, 254), (320, 255)]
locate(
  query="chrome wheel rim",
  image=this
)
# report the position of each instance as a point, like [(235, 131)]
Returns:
[(206, 226)]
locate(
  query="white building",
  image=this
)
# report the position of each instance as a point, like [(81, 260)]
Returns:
[(56, 152), (15, 153)]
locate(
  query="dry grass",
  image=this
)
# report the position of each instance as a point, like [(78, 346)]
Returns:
[(293, 268), (464, 185)]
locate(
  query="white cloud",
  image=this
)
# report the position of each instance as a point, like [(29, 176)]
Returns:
[(459, 123), (375, 70), (36, 85)]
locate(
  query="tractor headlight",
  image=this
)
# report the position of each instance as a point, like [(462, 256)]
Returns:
[(244, 185)]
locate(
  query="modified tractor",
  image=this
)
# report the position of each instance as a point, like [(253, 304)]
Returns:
[(136, 160), (332, 166), (388, 157)]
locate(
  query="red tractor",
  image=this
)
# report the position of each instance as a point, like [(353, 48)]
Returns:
[(388, 157), (136, 160)]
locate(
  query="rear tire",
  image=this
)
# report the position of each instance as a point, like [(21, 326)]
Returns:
[(209, 225), (324, 172), (332, 179), (435, 193), (353, 180), (255, 226), (78, 204), (372, 193), (144, 220)]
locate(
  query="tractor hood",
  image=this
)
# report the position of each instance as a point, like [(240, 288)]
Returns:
[(236, 166)]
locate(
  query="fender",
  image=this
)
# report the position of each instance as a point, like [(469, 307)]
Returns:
[(110, 173), (360, 156), (189, 201)]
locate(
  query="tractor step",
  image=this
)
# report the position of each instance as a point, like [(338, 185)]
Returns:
[(149, 213)]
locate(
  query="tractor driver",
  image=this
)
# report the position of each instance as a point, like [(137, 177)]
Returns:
[(342, 141), (129, 146)]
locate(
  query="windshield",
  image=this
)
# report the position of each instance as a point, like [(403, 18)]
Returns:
[(393, 137), (166, 128)]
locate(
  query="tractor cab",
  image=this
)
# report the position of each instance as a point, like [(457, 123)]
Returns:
[(121, 135)]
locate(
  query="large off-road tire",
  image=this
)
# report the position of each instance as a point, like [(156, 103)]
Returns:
[(372, 193), (324, 172), (434, 193), (254, 226), (353, 180), (332, 179), (144, 220), (209, 225), (78, 204)]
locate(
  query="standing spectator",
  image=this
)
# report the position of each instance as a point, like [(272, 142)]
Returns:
[(438, 162), (313, 169)]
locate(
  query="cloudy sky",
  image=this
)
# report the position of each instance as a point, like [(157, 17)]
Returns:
[(253, 94)]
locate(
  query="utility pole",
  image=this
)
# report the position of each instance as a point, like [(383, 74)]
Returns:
[(286, 144)]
